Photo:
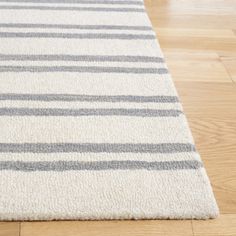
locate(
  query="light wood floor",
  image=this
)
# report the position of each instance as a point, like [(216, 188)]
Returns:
[(198, 38)]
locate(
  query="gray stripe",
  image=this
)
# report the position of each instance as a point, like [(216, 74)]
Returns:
[(88, 112), (84, 69), (98, 9), (92, 58), (96, 147), (89, 98), (98, 165), (68, 26), (76, 36), (112, 2)]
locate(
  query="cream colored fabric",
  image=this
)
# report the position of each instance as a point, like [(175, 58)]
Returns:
[(91, 124)]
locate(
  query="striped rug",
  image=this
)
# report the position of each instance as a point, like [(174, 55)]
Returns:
[(91, 125)]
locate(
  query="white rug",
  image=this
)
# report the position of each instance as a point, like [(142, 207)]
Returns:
[(91, 125)]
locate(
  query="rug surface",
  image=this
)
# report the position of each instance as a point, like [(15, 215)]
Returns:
[(91, 124)]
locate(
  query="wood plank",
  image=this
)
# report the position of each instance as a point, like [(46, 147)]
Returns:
[(201, 7), (222, 175), (207, 44), (191, 21), (215, 136), (9, 229), (230, 64), (198, 66), (216, 141), (208, 99), (191, 32), (225, 225), (211, 112), (192, 14), (192, 25), (107, 228)]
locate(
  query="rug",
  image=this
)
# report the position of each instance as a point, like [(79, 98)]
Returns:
[(91, 124)]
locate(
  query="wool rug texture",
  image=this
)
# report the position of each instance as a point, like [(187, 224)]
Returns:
[(91, 124)]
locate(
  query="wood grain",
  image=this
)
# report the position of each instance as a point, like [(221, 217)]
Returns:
[(207, 44), (107, 228), (202, 99), (9, 228), (216, 141), (230, 64), (210, 109), (185, 66), (224, 226)]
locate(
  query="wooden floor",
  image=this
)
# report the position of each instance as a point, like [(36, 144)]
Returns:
[(198, 38)]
